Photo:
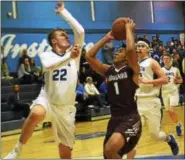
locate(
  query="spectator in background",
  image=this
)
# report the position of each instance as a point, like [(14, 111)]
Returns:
[(176, 42), (103, 87), (137, 36), (168, 47), (103, 90), (156, 55), (97, 78), (83, 73), (151, 50), (159, 42), (174, 51), (36, 71), (23, 55), (145, 37), (160, 51), (93, 93), (24, 72), (154, 42), (15, 104), (176, 60), (4, 66), (82, 58), (108, 52), (180, 50), (81, 97)]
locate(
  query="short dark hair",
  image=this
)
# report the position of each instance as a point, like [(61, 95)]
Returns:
[(168, 55), (52, 34), (144, 40)]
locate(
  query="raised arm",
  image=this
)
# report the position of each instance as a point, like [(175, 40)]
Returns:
[(91, 55), (130, 47), (74, 24), (77, 28)]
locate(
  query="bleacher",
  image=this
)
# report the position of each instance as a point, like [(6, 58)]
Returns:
[(13, 120), (91, 114)]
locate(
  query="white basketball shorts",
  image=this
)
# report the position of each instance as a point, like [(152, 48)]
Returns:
[(62, 118), (170, 99), (149, 109)]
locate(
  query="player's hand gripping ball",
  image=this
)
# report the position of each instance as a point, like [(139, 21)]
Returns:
[(118, 28)]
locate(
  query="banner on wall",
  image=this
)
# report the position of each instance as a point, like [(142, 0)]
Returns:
[(8, 41), (14, 44)]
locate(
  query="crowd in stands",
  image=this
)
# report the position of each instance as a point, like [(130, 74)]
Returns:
[(91, 88), (26, 71)]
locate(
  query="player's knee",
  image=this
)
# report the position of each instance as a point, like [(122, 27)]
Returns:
[(155, 136), (109, 150), (37, 114)]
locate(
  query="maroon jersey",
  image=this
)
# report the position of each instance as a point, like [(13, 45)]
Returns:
[(121, 91)]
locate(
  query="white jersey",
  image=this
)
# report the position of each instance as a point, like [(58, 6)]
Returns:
[(171, 73), (61, 72), (147, 90)]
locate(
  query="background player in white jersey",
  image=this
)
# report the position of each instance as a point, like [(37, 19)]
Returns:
[(170, 91), (148, 103), (57, 98)]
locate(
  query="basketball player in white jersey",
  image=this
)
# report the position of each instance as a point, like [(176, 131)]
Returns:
[(170, 92), (57, 98), (148, 103)]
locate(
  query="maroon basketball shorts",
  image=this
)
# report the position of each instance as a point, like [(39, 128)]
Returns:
[(129, 126)]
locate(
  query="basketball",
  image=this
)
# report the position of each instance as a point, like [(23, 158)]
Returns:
[(118, 29)]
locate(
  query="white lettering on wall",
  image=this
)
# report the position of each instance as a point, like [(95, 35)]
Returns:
[(7, 41), (10, 47)]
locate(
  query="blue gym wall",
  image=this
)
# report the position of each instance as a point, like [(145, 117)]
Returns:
[(36, 19)]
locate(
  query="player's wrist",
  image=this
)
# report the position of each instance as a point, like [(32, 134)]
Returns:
[(62, 11)]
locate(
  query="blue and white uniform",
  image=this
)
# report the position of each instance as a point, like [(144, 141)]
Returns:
[(58, 94)]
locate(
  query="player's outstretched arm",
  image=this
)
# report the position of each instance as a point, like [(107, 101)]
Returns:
[(74, 24), (77, 28), (91, 55)]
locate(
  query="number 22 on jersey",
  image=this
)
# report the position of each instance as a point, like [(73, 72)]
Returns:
[(60, 75)]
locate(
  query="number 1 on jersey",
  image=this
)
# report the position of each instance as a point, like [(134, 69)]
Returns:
[(116, 88)]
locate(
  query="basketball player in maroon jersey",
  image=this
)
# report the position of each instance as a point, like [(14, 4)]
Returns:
[(124, 127)]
